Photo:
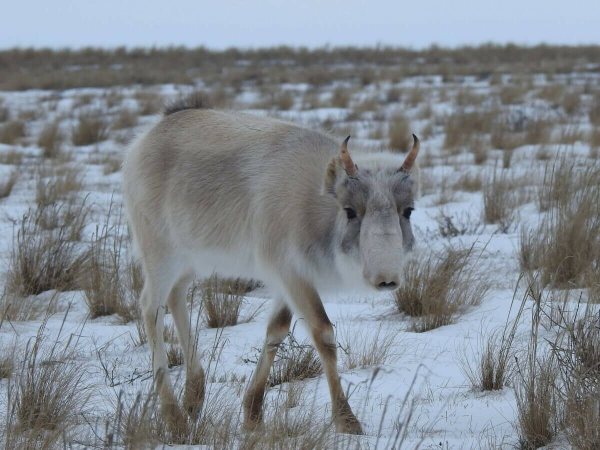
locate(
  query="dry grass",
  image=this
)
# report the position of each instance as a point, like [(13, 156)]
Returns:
[(105, 278), (565, 246), (149, 102), (538, 406), (55, 184), (8, 184), (399, 133), (90, 129), (361, 348), (8, 354), (571, 103), (594, 112), (439, 288), (512, 94), (538, 131), (340, 97), (13, 157), (223, 300), (50, 140), (125, 119), (295, 361), (42, 260), (12, 131), (49, 395), (284, 101), (500, 199), (461, 127)]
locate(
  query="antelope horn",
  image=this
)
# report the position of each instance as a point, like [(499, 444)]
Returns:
[(348, 163), (412, 155)]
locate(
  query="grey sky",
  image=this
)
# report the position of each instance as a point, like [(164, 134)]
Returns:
[(220, 24)]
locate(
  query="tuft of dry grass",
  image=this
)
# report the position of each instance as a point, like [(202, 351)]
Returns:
[(105, 277), (223, 300), (284, 101), (295, 361), (125, 119), (500, 198), (538, 131), (90, 129), (340, 97), (12, 131), (13, 157), (7, 359), (149, 102), (565, 245), (512, 94), (399, 133), (440, 287), (50, 140), (461, 127), (8, 184), (361, 348), (571, 103), (42, 260), (49, 395), (61, 184), (594, 112)]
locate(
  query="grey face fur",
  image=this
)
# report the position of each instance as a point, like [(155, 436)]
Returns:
[(374, 221)]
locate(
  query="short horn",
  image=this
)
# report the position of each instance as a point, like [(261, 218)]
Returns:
[(348, 163), (412, 155)]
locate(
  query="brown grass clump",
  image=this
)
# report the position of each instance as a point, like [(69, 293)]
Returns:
[(461, 127), (340, 97), (90, 129), (149, 102), (105, 277), (42, 260), (565, 246), (399, 133), (61, 185), (13, 157), (571, 103), (295, 361), (512, 94), (7, 359), (500, 198), (552, 93), (223, 302), (284, 101), (126, 119), (6, 186), (365, 349), (50, 140), (48, 397), (538, 131), (594, 112), (439, 288), (12, 131)]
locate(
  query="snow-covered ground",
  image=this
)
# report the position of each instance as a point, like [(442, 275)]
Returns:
[(422, 373)]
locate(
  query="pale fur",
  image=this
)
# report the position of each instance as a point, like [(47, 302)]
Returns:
[(239, 195)]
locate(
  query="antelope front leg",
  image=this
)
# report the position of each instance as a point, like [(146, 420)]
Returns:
[(277, 330), (309, 304)]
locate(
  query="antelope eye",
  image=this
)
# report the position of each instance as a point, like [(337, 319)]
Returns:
[(406, 213), (350, 213)]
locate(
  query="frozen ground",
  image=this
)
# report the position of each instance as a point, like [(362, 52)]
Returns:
[(421, 375)]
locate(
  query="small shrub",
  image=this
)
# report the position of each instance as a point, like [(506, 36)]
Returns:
[(90, 129), (399, 133), (439, 288), (50, 140), (6, 186), (11, 132)]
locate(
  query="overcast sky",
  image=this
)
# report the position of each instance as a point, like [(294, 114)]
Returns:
[(253, 23)]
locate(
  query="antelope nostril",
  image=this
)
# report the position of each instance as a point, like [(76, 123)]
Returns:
[(388, 285)]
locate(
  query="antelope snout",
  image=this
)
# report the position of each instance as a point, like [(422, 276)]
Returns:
[(386, 282)]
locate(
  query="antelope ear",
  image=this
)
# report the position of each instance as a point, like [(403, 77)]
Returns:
[(335, 169)]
